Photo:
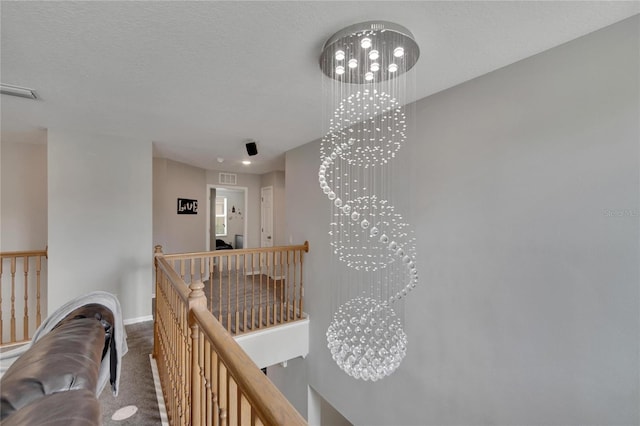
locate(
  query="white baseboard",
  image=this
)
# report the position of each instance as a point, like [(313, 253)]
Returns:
[(138, 319), (156, 381), (249, 273)]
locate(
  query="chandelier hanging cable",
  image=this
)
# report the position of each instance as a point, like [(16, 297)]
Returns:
[(367, 65)]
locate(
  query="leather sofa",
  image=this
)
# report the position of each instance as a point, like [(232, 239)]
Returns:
[(56, 380)]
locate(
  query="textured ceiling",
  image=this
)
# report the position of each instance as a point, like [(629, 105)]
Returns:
[(198, 78)]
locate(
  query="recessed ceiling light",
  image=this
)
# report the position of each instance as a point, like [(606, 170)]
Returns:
[(246, 162), (22, 92)]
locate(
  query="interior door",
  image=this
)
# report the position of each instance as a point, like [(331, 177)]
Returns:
[(266, 217), (212, 219)]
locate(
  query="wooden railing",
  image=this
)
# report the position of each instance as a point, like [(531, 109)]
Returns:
[(248, 289), (207, 379), (18, 299)]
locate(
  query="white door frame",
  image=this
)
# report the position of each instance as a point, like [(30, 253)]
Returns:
[(246, 212), (262, 215)]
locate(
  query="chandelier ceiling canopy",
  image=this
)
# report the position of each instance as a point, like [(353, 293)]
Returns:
[(369, 52)]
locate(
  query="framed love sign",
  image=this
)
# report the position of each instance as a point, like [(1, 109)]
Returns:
[(187, 206)]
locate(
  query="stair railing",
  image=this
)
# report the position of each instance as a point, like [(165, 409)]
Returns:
[(21, 287), (206, 378), (248, 289)]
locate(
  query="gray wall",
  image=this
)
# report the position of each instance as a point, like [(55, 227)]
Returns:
[(526, 204), (23, 212), (187, 233), (99, 219), (178, 233)]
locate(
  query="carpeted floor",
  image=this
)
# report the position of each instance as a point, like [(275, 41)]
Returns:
[(136, 382)]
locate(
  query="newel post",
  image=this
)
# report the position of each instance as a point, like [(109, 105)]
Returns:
[(156, 335), (197, 299)]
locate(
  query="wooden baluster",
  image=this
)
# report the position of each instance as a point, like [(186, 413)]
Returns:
[(222, 394), (288, 283), (207, 374), (276, 283), (215, 382), (202, 269), (192, 270), (228, 293), (188, 366), (268, 266), (282, 284), (244, 292), (234, 405), (274, 279), (197, 300), (1, 316), (211, 270), (236, 315), (260, 304), (253, 293), (295, 281), (244, 411), (38, 309), (203, 379), (13, 300), (25, 320)]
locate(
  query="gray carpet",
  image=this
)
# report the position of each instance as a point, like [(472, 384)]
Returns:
[(246, 294), (136, 381)]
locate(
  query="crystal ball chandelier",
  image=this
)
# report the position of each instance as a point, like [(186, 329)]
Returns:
[(367, 65)]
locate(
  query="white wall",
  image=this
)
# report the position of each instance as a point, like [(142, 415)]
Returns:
[(185, 232), (526, 216), (23, 214), (100, 212)]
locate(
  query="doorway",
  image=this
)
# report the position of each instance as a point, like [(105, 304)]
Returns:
[(227, 216)]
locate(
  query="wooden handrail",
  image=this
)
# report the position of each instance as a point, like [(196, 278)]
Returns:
[(195, 255), (27, 253), (271, 408), (183, 290)]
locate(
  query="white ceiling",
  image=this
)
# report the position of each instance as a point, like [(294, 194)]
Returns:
[(198, 78)]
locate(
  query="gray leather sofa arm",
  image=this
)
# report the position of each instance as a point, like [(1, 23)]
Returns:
[(57, 377)]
